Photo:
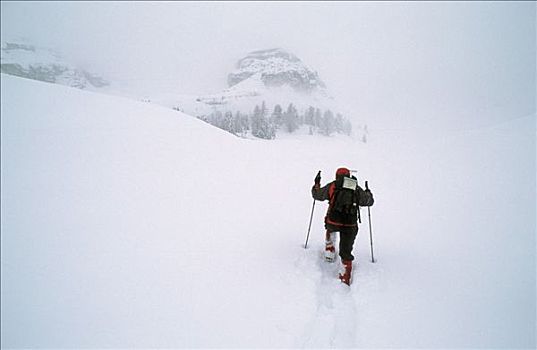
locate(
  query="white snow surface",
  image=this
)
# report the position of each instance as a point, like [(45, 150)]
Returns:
[(125, 224)]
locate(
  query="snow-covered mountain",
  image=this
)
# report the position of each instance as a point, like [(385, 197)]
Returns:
[(270, 78), (129, 225), (47, 65), (274, 76), (276, 68)]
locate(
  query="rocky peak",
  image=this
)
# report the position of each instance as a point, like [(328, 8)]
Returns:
[(43, 64), (276, 67)]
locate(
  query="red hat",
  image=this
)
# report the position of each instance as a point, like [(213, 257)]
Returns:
[(343, 171)]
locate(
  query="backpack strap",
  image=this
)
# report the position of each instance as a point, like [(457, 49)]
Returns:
[(331, 192)]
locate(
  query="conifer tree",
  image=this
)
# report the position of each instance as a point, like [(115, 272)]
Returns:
[(277, 116), (339, 123), (245, 122), (347, 127), (264, 110), (260, 125), (327, 127), (227, 122), (255, 121), (309, 118), (318, 118), (237, 124), (290, 118)]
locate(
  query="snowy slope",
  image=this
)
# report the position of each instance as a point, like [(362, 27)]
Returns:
[(128, 225)]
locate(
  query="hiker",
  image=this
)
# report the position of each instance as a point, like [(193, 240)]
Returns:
[(345, 197)]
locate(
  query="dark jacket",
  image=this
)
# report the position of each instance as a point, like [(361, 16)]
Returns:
[(365, 199)]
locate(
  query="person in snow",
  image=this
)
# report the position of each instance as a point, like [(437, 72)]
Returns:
[(345, 197)]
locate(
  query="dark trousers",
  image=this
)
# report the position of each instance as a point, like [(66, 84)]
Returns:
[(347, 235)]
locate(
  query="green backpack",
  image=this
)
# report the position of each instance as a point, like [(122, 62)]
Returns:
[(344, 201)]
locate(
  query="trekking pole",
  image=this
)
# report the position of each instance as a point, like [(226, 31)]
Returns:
[(370, 230), (317, 183), (309, 227)]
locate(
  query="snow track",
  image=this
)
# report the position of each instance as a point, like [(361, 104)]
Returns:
[(333, 324)]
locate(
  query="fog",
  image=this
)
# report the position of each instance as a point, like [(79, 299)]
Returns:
[(435, 65)]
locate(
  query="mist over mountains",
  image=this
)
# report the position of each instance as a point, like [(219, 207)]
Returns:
[(37, 63), (271, 93)]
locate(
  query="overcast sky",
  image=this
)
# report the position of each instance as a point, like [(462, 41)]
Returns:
[(406, 63)]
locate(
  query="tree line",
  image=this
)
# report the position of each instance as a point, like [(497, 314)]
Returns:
[(262, 123)]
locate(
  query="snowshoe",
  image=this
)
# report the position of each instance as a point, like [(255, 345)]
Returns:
[(329, 249), (329, 253)]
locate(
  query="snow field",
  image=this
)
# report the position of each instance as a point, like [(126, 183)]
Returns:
[(125, 224)]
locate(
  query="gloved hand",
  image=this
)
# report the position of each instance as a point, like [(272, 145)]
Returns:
[(369, 195), (318, 178)]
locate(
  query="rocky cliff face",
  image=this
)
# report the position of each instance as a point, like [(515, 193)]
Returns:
[(276, 68), (45, 65)]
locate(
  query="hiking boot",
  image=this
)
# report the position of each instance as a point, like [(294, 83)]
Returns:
[(345, 275)]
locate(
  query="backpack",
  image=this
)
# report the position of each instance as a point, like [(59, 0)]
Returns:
[(344, 201)]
